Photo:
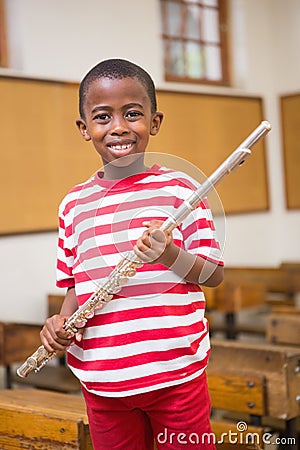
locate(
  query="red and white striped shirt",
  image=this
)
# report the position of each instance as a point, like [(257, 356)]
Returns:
[(153, 334)]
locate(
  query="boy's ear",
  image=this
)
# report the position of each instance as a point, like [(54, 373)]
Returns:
[(156, 123), (82, 128)]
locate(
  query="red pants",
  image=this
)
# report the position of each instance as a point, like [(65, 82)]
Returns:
[(176, 417)]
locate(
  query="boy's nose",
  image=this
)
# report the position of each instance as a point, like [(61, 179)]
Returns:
[(118, 125)]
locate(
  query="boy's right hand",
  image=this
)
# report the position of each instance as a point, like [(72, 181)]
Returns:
[(54, 337)]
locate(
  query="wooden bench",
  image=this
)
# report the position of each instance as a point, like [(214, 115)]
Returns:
[(43, 420), (278, 365)]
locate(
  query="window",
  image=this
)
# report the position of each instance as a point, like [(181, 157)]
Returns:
[(3, 48), (194, 36)]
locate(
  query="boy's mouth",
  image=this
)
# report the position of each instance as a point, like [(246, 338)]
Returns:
[(121, 149)]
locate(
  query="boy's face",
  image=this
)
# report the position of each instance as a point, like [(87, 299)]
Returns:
[(118, 118)]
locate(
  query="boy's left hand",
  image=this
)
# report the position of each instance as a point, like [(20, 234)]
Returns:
[(151, 246)]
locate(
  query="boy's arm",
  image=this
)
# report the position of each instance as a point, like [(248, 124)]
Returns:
[(192, 268), (70, 303), (52, 335), (156, 246)]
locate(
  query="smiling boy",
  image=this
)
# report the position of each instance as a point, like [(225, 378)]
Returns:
[(141, 360)]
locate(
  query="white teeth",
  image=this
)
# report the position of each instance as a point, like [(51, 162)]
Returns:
[(120, 147)]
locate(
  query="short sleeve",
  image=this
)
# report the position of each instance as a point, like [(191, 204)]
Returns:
[(199, 234), (65, 258)]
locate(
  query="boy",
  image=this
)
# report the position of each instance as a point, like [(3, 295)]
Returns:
[(141, 360)]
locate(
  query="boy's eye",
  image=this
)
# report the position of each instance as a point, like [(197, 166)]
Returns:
[(102, 116), (133, 114), (130, 115)]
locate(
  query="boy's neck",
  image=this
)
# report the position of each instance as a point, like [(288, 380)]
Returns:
[(120, 169)]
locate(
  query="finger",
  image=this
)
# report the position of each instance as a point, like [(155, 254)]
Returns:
[(146, 223), (145, 256), (45, 342), (79, 335), (158, 235), (151, 238), (55, 326), (54, 335), (51, 344), (58, 341), (143, 244), (82, 323), (152, 223)]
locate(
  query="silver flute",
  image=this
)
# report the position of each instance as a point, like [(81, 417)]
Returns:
[(127, 266)]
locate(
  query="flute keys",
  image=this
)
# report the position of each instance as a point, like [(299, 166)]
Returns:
[(116, 289), (89, 315), (138, 264), (80, 322), (131, 273), (106, 297)]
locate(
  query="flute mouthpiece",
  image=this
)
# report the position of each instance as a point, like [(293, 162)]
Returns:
[(267, 125)]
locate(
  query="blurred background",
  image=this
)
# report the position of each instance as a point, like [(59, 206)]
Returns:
[(239, 49)]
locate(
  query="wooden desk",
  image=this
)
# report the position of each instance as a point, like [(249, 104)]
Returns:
[(58, 378), (280, 367), (234, 296), (17, 342), (274, 279), (54, 302), (293, 271), (252, 287), (230, 298), (283, 326)]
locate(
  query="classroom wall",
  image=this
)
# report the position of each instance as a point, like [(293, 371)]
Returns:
[(62, 39)]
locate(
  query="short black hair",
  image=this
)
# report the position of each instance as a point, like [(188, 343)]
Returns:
[(117, 69)]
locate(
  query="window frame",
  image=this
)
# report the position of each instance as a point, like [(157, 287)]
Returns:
[(3, 37), (224, 53)]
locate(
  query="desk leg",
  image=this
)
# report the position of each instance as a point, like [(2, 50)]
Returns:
[(291, 434), (230, 321), (256, 421), (7, 377)]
